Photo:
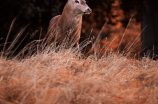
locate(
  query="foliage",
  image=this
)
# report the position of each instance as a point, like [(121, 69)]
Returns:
[(38, 14)]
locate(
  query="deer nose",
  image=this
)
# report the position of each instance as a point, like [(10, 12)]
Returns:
[(89, 10)]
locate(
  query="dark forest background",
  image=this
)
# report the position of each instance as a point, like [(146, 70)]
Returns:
[(37, 13)]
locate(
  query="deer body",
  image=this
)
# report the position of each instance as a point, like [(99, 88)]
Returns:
[(67, 26)]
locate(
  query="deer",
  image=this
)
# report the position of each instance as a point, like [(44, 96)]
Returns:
[(67, 26)]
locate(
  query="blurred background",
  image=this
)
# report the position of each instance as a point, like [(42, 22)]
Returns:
[(118, 20)]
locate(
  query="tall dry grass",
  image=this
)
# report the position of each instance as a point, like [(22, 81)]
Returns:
[(65, 77)]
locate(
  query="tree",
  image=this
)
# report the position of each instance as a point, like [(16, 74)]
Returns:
[(150, 26)]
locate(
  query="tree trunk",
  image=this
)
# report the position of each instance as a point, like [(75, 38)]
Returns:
[(150, 25)]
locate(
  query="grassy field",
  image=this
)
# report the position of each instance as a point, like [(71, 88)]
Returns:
[(65, 78)]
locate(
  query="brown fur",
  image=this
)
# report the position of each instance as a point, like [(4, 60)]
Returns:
[(67, 26)]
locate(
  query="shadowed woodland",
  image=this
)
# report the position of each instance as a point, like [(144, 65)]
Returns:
[(118, 21)]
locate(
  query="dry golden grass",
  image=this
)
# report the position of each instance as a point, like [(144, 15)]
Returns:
[(65, 78)]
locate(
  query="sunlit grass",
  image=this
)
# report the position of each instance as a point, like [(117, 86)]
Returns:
[(64, 77), (42, 74)]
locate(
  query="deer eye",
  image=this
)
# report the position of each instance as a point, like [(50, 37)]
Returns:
[(76, 1)]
